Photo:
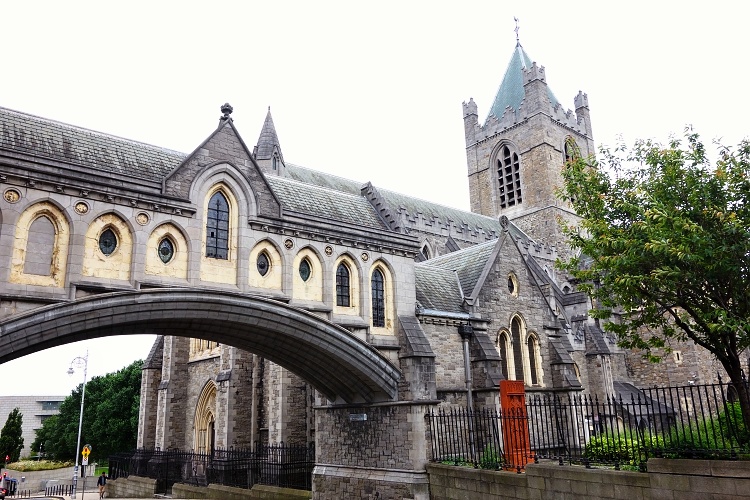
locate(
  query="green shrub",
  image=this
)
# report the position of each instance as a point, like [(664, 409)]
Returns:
[(614, 448)]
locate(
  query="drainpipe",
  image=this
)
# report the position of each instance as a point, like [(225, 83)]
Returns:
[(466, 330)]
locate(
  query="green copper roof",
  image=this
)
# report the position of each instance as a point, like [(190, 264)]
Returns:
[(511, 91)]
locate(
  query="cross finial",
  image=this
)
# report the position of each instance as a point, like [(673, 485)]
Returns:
[(516, 30)]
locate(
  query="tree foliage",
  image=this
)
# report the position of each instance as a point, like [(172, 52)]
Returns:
[(11, 440), (110, 417), (664, 241)]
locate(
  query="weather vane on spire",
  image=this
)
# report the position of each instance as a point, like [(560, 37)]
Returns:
[(516, 30)]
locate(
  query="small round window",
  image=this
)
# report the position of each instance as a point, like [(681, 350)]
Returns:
[(263, 264), (107, 242), (305, 270), (513, 284), (166, 250)]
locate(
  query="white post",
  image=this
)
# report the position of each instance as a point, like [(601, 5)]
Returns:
[(85, 362)]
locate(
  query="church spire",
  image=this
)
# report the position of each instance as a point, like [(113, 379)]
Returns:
[(268, 150), (511, 92)]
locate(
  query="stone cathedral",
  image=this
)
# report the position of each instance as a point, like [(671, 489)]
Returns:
[(87, 213)]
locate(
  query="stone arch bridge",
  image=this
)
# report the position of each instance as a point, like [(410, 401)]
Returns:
[(335, 362), (377, 412)]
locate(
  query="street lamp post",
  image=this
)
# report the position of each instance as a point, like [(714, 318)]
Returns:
[(84, 363)]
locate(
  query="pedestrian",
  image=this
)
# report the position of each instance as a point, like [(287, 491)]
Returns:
[(102, 484)]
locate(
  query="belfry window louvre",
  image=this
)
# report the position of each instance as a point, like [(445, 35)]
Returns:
[(217, 227), (509, 178)]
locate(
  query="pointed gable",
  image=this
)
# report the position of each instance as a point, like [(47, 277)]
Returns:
[(511, 92), (224, 145)]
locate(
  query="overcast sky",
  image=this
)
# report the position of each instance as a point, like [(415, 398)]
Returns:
[(369, 91)]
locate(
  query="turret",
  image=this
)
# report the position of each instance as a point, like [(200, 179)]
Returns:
[(267, 153), (535, 91), (471, 120), (582, 113)]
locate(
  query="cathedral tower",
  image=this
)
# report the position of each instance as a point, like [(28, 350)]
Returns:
[(514, 158)]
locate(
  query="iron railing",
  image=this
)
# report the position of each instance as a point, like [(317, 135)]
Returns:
[(277, 465), (693, 421)]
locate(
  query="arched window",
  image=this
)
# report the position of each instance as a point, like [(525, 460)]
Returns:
[(533, 347), (343, 290), (40, 247), (503, 347), (571, 149), (217, 227), (515, 329), (509, 178), (378, 298), (425, 252)]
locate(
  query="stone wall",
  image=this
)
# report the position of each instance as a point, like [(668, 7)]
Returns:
[(131, 487), (666, 480), (258, 491)]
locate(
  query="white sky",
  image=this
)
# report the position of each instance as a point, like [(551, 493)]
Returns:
[(369, 91)]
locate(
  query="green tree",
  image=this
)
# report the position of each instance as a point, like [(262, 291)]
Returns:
[(110, 417), (664, 241), (11, 440)]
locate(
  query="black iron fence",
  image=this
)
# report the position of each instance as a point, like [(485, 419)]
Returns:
[(277, 465), (693, 421)]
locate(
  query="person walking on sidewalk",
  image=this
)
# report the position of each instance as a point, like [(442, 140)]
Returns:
[(102, 484)]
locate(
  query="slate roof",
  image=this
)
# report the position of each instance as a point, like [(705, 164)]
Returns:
[(322, 179), (467, 263), (511, 92), (268, 139), (323, 202), (437, 289), (413, 206), (54, 140)]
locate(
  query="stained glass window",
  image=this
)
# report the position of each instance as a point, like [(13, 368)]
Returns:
[(342, 286), (217, 227), (107, 241), (378, 299), (166, 250)]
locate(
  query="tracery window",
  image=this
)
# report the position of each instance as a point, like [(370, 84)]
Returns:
[(217, 227), (378, 298), (343, 290), (571, 149), (509, 178)]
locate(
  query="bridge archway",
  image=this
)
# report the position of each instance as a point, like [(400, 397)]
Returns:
[(339, 365)]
